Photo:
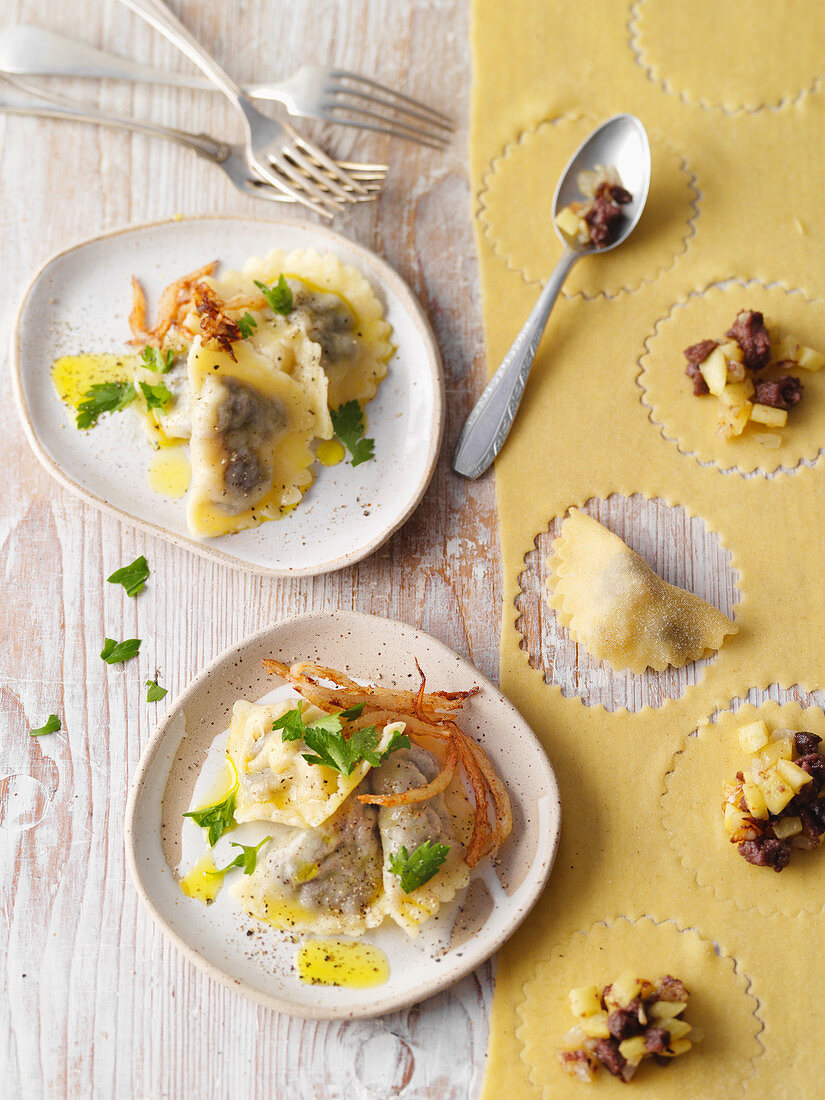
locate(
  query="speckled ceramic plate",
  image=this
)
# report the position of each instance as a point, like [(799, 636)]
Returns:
[(79, 302), (259, 961)]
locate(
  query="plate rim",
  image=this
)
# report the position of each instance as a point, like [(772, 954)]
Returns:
[(324, 1012), (400, 289)]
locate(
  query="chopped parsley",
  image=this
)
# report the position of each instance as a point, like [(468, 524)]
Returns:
[(247, 858), (115, 653), (416, 869), (354, 711), (157, 397), (218, 818), (101, 398), (329, 747), (155, 692), (246, 324), (348, 425), (52, 725), (133, 577), (278, 297), (157, 360)]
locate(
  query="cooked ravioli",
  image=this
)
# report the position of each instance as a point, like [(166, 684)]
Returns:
[(337, 309), (276, 783), (409, 826), (251, 426), (325, 880), (621, 610)]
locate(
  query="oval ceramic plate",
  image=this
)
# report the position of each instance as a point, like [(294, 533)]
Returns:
[(79, 302), (252, 957)]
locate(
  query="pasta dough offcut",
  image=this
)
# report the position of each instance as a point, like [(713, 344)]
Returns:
[(621, 610)]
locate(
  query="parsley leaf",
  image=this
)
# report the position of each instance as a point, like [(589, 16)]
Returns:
[(247, 858), (157, 397), (157, 360), (103, 397), (416, 869), (278, 297), (328, 745), (52, 725), (354, 711), (348, 425), (246, 325), (115, 653), (155, 692), (133, 577), (218, 818)]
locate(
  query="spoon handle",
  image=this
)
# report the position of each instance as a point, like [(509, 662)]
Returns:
[(488, 425)]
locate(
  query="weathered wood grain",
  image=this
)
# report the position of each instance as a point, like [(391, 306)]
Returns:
[(95, 1003)]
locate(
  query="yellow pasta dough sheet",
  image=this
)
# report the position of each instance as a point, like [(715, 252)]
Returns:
[(734, 102)]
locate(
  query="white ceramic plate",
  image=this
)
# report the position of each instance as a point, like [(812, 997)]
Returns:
[(79, 302), (257, 960)]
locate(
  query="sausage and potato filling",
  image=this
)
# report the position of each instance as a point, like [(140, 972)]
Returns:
[(734, 372), (597, 220), (631, 1020), (777, 803)]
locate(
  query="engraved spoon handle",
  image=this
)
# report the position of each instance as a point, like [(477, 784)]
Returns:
[(488, 425)]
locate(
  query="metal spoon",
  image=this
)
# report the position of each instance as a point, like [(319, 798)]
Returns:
[(622, 143)]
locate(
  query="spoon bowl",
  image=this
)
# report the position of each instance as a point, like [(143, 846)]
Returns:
[(619, 143)]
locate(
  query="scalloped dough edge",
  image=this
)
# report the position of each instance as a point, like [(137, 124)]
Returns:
[(724, 958)]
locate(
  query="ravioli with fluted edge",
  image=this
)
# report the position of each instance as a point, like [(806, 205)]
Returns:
[(370, 804), (250, 369), (622, 611)]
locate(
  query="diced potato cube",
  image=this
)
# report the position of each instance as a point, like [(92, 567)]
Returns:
[(666, 1010), (735, 393), (786, 347), (734, 818), (776, 750), (755, 800), (767, 439), (680, 1046), (625, 988), (792, 773), (584, 1001), (753, 736), (595, 1026), (731, 350), (787, 827), (633, 1049), (809, 359), (782, 734), (568, 221), (678, 1029), (776, 790), (766, 414), (733, 420), (715, 371)]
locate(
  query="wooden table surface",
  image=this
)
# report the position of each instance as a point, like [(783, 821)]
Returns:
[(96, 1003)]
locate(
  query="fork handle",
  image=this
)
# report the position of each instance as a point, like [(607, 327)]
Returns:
[(158, 15), (204, 145), (488, 425)]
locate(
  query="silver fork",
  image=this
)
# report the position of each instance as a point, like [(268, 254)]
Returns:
[(230, 158), (314, 91), (269, 144)]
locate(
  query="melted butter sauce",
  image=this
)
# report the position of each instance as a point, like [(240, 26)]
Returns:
[(330, 452), (200, 882), (72, 375), (335, 962), (170, 473)]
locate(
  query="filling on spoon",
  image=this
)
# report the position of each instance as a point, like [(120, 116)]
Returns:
[(595, 221)]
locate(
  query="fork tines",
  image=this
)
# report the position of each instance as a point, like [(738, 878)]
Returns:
[(389, 112)]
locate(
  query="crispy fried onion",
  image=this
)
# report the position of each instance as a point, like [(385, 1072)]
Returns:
[(174, 304), (427, 716), (216, 327)]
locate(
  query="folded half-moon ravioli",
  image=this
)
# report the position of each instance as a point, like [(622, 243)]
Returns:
[(275, 782), (616, 606)]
